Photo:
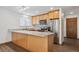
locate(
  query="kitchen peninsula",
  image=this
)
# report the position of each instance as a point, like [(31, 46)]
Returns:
[(34, 41)]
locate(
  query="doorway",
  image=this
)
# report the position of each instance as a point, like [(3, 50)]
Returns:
[(71, 28)]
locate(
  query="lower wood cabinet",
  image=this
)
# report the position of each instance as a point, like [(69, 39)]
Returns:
[(33, 43), (20, 39), (36, 43)]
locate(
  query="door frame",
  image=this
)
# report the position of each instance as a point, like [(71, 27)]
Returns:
[(76, 25)]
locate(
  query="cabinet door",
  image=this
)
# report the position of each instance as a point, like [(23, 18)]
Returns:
[(35, 19), (56, 14), (14, 38), (51, 15), (41, 17), (34, 43), (45, 16), (20, 39)]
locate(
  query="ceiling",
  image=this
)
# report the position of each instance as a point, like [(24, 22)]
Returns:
[(34, 10)]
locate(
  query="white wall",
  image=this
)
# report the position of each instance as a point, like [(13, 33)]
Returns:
[(8, 20)]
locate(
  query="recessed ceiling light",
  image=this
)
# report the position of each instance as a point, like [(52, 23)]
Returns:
[(71, 12), (51, 8)]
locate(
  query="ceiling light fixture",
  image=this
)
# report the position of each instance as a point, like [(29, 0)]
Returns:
[(24, 7), (71, 12), (51, 8)]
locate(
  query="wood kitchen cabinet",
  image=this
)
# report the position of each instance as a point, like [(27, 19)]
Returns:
[(20, 39), (51, 15), (35, 19), (36, 43), (44, 16), (41, 17), (54, 14), (33, 42)]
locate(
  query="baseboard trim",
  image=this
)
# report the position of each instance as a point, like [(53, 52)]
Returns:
[(5, 43), (21, 47), (72, 38)]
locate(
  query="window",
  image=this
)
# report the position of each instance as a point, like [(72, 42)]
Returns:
[(25, 20)]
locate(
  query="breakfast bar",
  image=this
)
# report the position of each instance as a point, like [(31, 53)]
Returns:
[(33, 41)]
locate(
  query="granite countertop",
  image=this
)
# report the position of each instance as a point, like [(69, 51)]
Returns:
[(36, 33)]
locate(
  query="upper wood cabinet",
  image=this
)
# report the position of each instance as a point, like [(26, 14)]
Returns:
[(43, 16), (54, 14), (51, 15), (35, 19)]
